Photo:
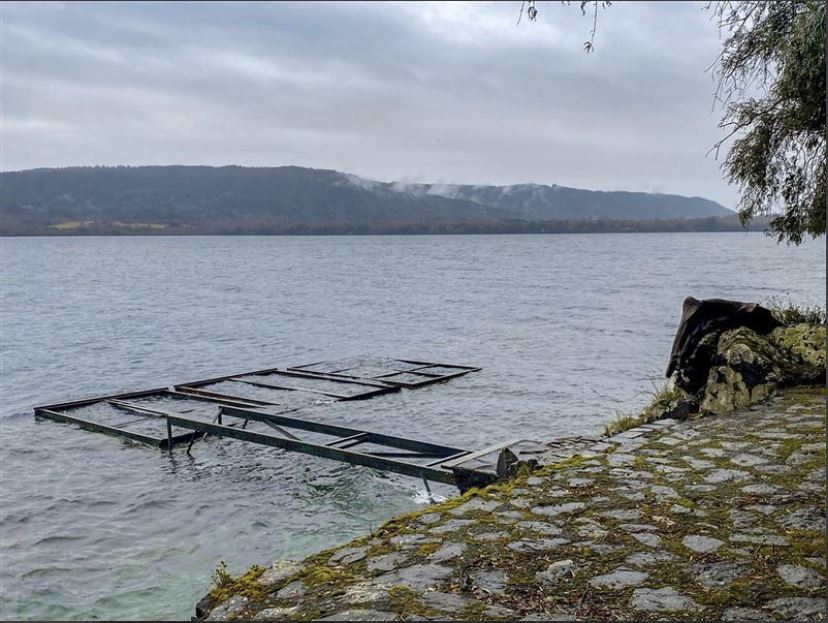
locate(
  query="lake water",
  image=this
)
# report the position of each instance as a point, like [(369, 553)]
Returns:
[(569, 330)]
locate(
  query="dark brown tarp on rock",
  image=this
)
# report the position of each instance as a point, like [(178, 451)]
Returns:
[(700, 318)]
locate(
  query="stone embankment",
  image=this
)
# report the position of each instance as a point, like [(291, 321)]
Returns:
[(715, 517)]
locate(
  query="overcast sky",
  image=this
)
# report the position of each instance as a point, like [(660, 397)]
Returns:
[(414, 92)]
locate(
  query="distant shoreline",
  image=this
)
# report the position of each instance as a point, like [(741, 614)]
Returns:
[(200, 200), (607, 226)]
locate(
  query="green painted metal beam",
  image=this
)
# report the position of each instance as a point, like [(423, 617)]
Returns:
[(304, 447)]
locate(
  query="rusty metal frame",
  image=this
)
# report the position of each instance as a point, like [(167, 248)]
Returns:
[(416, 369), (441, 458)]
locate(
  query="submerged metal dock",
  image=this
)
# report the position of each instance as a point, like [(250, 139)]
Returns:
[(260, 407)]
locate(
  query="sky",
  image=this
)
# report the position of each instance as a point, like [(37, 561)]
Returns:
[(413, 92)]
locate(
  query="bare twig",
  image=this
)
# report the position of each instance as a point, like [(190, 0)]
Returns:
[(531, 10)]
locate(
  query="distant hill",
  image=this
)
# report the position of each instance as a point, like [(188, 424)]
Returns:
[(537, 202), (232, 199)]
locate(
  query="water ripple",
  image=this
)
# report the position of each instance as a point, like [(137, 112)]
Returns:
[(569, 330)]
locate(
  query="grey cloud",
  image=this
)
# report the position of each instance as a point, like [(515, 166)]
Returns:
[(413, 91)]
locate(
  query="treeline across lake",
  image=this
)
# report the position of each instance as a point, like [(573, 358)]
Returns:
[(262, 227), (298, 200)]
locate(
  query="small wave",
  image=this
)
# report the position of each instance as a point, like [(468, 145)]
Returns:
[(44, 572), (56, 539), (157, 503), (16, 415), (421, 496)]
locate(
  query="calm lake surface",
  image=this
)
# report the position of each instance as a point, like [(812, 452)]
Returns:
[(569, 330)]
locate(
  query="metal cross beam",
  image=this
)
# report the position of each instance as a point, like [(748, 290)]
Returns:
[(382, 439), (304, 447)]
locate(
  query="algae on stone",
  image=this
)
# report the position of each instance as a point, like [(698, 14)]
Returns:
[(748, 367)]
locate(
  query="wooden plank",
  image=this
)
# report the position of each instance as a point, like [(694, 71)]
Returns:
[(98, 428), (346, 456)]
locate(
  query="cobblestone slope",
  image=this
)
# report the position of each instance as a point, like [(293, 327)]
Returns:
[(719, 518)]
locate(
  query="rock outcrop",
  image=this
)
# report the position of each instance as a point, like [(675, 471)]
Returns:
[(702, 322), (727, 355), (748, 367)]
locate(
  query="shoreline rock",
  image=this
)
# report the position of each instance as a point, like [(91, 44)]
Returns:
[(698, 543)]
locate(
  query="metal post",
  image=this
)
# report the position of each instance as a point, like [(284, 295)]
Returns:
[(190, 445), (428, 489), (169, 437)]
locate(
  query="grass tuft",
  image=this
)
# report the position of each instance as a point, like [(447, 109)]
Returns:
[(221, 577), (620, 423), (788, 313), (227, 586), (661, 395)]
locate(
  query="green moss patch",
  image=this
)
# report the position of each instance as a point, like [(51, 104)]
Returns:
[(246, 585)]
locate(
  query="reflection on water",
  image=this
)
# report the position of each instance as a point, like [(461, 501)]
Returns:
[(568, 330)]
